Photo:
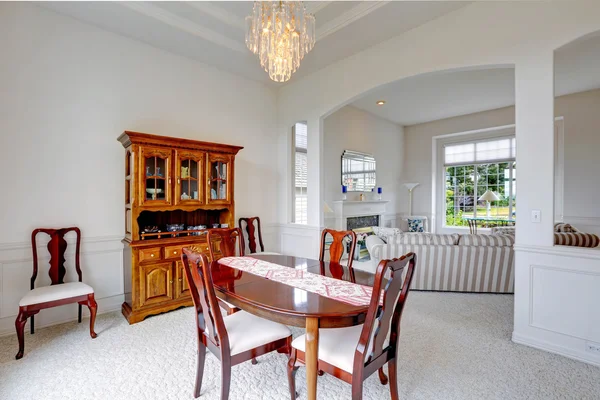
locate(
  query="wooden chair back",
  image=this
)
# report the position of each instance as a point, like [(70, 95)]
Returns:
[(336, 248), (227, 238), (209, 317), (57, 246), (383, 319), (251, 231)]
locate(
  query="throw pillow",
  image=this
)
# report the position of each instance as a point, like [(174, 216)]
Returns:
[(415, 225), (385, 233), (566, 228)]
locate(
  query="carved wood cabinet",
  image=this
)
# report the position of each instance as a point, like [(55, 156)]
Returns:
[(175, 190)]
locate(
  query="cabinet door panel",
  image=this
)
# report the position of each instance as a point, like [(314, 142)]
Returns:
[(155, 187), (189, 177), (182, 288), (220, 179), (156, 283)]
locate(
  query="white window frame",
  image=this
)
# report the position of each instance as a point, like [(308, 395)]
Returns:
[(438, 204), (295, 150)]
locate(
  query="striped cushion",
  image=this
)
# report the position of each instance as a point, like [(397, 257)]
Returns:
[(576, 239), (451, 239), (487, 240), (424, 238), (562, 227)]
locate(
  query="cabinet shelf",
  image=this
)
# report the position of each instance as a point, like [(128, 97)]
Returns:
[(154, 177)]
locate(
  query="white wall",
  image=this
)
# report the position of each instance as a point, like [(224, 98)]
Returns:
[(352, 129), (520, 34), (581, 162), (68, 90)]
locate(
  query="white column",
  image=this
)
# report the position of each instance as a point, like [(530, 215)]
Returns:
[(534, 95), (315, 161)]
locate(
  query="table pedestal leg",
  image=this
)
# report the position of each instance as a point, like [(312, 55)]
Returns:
[(312, 356)]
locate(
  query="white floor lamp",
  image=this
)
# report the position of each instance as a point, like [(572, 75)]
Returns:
[(410, 187)]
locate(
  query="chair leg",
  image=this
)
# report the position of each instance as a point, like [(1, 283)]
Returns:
[(20, 327), (357, 389), (200, 369), (93, 307), (225, 378), (291, 371), (32, 324), (382, 378), (393, 372), (254, 362), (79, 313)]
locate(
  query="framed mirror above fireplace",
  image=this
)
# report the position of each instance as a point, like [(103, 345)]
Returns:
[(358, 171)]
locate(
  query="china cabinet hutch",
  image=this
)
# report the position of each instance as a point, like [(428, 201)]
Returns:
[(175, 190)]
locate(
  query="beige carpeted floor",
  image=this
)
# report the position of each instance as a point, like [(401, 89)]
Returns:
[(453, 346)]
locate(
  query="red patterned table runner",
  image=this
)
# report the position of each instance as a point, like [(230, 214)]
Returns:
[(336, 289)]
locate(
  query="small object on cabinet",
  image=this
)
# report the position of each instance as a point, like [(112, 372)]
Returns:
[(215, 225), (185, 196), (148, 173), (224, 225), (195, 195), (158, 171), (362, 197), (185, 172), (213, 194), (154, 192)]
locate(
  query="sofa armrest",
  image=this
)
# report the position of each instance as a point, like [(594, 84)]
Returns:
[(374, 244)]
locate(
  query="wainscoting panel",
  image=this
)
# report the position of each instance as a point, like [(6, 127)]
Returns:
[(553, 300), (299, 240), (556, 300), (102, 268)]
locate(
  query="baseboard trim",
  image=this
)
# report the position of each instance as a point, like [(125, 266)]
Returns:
[(553, 348), (105, 305)]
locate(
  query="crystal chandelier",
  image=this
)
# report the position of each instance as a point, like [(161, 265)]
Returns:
[(280, 33)]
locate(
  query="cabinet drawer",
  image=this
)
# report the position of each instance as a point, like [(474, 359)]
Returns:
[(173, 252), (150, 254)]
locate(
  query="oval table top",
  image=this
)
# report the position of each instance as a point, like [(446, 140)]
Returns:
[(286, 304)]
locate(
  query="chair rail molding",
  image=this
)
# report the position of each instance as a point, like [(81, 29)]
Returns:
[(102, 265)]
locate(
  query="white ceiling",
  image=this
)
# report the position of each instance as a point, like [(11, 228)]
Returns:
[(431, 97), (213, 32)]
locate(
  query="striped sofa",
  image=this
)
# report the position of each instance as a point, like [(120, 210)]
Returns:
[(456, 263)]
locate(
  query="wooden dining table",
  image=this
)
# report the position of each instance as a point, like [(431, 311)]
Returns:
[(291, 306)]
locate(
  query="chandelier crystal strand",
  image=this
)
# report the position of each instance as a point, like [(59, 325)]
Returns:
[(280, 33)]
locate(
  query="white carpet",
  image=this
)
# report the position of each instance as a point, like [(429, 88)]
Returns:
[(453, 346)]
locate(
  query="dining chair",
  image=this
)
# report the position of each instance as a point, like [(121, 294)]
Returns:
[(233, 339), (339, 239), (59, 292), (251, 234), (228, 239), (352, 354)]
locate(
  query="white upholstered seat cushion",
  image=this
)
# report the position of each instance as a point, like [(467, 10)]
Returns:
[(337, 345), (55, 292), (247, 331)]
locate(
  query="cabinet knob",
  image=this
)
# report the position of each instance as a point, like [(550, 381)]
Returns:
[(175, 252), (151, 255), (170, 281), (180, 279)]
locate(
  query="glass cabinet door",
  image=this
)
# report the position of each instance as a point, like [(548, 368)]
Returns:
[(189, 173), (219, 170), (156, 185)]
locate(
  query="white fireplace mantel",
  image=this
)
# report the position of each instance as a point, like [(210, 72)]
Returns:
[(345, 208)]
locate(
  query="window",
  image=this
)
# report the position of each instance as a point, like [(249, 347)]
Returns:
[(300, 174), (473, 168), (358, 171)]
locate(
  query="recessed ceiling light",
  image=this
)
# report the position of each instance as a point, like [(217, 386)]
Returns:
[(381, 102)]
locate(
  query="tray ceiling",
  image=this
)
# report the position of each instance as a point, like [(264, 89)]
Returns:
[(213, 32)]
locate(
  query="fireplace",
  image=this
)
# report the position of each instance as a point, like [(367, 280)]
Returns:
[(362, 222), (358, 214)]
